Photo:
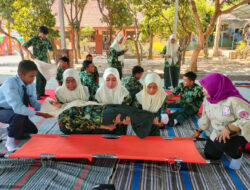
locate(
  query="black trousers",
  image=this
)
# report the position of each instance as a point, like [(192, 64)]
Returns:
[(18, 124), (174, 79), (215, 149), (40, 84)]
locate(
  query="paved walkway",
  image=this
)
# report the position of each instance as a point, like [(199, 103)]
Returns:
[(237, 70)]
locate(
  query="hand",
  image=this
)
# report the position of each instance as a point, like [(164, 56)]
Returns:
[(32, 56), (126, 121), (111, 127), (56, 104), (196, 135), (125, 50), (117, 120), (45, 115), (156, 122), (223, 135)]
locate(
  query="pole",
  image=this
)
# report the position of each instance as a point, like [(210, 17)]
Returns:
[(233, 39), (176, 15), (61, 20)]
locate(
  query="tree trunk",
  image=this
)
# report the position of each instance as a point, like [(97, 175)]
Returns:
[(78, 45), (193, 65), (150, 50), (206, 48), (74, 44), (217, 38), (137, 52), (185, 46)]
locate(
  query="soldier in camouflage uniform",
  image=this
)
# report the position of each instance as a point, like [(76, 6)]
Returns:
[(108, 119), (40, 45), (191, 98), (63, 65), (116, 54), (132, 82), (96, 73), (87, 78)]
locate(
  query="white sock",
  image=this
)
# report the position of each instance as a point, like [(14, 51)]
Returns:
[(236, 163), (175, 121), (10, 144)]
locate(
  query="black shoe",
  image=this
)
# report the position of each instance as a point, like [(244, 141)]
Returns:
[(45, 95)]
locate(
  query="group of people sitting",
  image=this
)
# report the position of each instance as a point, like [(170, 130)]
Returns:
[(84, 108)]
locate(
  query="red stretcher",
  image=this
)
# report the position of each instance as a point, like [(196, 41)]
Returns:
[(156, 148)]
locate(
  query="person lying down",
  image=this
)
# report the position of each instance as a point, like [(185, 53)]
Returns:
[(110, 119), (70, 94)]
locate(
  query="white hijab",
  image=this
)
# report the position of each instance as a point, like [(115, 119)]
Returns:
[(111, 96), (154, 102), (172, 50), (117, 46), (65, 95)]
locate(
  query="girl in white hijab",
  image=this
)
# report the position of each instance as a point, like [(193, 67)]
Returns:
[(152, 97), (171, 65), (72, 88), (112, 91), (70, 94), (116, 54)]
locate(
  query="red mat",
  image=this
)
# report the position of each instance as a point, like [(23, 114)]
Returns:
[(50, 92), (125, 147)]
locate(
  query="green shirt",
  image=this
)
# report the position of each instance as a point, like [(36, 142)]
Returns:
[(82, 118), (40, 47), (113, 58), (132, 85), (96, 73), (190, 95), (87, 79), (166, 63), (59, 74), (162, 109)]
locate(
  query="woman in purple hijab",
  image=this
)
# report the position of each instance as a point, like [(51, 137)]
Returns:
[(227, 112)]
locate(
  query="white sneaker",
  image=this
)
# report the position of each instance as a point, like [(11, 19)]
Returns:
[(236, 163), (10, 144)]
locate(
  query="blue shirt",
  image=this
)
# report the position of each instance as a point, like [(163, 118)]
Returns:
[(11, 96)]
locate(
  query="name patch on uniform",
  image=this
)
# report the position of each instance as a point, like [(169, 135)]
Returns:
[(244, 114), (226, 111)]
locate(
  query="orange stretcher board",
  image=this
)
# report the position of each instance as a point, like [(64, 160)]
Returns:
[(98, 146)]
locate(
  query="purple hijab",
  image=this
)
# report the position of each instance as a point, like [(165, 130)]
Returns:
[(219, 87)]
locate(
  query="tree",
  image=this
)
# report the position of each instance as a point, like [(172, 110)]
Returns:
[(116, 15), (203, 33), (74, 15), (6, 10)]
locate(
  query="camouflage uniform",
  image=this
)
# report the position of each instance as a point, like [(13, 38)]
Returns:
[(173, 69), (96, 73), (88, 119), (132, 85), (59, 74), (40, 49), (113, 60), (190, 101), (87, 79)]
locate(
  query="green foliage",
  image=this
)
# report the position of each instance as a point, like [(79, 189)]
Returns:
[(6, 10), (119, 13), (27, 16), (87, 31)]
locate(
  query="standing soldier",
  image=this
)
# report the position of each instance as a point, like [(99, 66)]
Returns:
[(41, 45)]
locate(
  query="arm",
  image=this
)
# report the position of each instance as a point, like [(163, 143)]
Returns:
[(164, 52), (13, 99), (32, 97), (26, 45)]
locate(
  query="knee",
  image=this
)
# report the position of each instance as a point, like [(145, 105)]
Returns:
[(20, 118)]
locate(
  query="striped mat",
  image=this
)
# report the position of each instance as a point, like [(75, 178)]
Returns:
[(124, 174)]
